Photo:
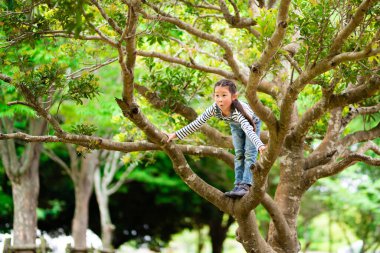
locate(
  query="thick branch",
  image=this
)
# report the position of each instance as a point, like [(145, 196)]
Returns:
[(279, 221), (101, 143), (248, 234), (257, 72)]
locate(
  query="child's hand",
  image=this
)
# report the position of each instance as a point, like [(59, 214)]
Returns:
[(171, 137), (262, 149)]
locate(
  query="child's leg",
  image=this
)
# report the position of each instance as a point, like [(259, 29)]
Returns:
[(238, 139), (250, 157)]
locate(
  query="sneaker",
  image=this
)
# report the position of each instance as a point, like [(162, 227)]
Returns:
[(240, 192), (236, 188)]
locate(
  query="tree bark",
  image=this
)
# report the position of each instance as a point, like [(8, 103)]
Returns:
[(25, 198), (23, 173), (218, 232), (83, 190), (105, 219), (288, 198)]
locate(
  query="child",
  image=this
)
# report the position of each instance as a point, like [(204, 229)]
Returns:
[(245, 129)]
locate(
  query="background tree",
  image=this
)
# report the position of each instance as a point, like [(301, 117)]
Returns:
[(108, 178), (81, 170), (333, 52)]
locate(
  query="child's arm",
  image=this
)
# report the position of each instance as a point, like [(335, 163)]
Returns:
[(171, 136), (193, 126), (262, 149), (248, 130)]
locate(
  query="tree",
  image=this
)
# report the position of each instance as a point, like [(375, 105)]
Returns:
[(332, 50), (106, 183), (81, 171)]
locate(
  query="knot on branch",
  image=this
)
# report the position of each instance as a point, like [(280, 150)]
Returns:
[(134, 109), (255, 68), (254, 168), (283, 24), (127, 109)]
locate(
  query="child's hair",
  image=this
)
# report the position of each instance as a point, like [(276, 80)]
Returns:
[(235, 103)]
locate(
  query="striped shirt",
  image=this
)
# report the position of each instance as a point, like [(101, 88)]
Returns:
[(235, 117)]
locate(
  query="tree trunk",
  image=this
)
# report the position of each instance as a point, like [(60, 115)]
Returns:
[(25, 198), (288, 198), (218, 232), (105, 219), (83, 190), (218, 235), (24, 175), (290, 209)]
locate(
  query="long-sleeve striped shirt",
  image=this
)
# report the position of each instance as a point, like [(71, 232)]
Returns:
[(235, 116)]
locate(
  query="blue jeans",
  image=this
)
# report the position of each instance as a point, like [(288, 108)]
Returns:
[(245, 153)]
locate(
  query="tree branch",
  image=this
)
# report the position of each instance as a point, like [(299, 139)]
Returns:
[(279, 221), (229, 54), (360, 136), (336, 167), (369, 145), (58, 160), (257, 72), (314, 113), (110, 21), (33, 102), (123, 177), (353, 112), (190, 64), (206, 5), (93, 68), (5, 78), (235, 20), (101, 143), (21, 103), (104, 37), (350, 27), (248, 234), (293, 63)]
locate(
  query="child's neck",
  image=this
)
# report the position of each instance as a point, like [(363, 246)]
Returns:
[(227, 112)]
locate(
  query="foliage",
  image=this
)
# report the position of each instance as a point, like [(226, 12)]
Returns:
[(6, 203), (353, 200), (43, 48), (85, 87), (84, 129)]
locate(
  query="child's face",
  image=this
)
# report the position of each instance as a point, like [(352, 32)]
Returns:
[(223, 97)]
